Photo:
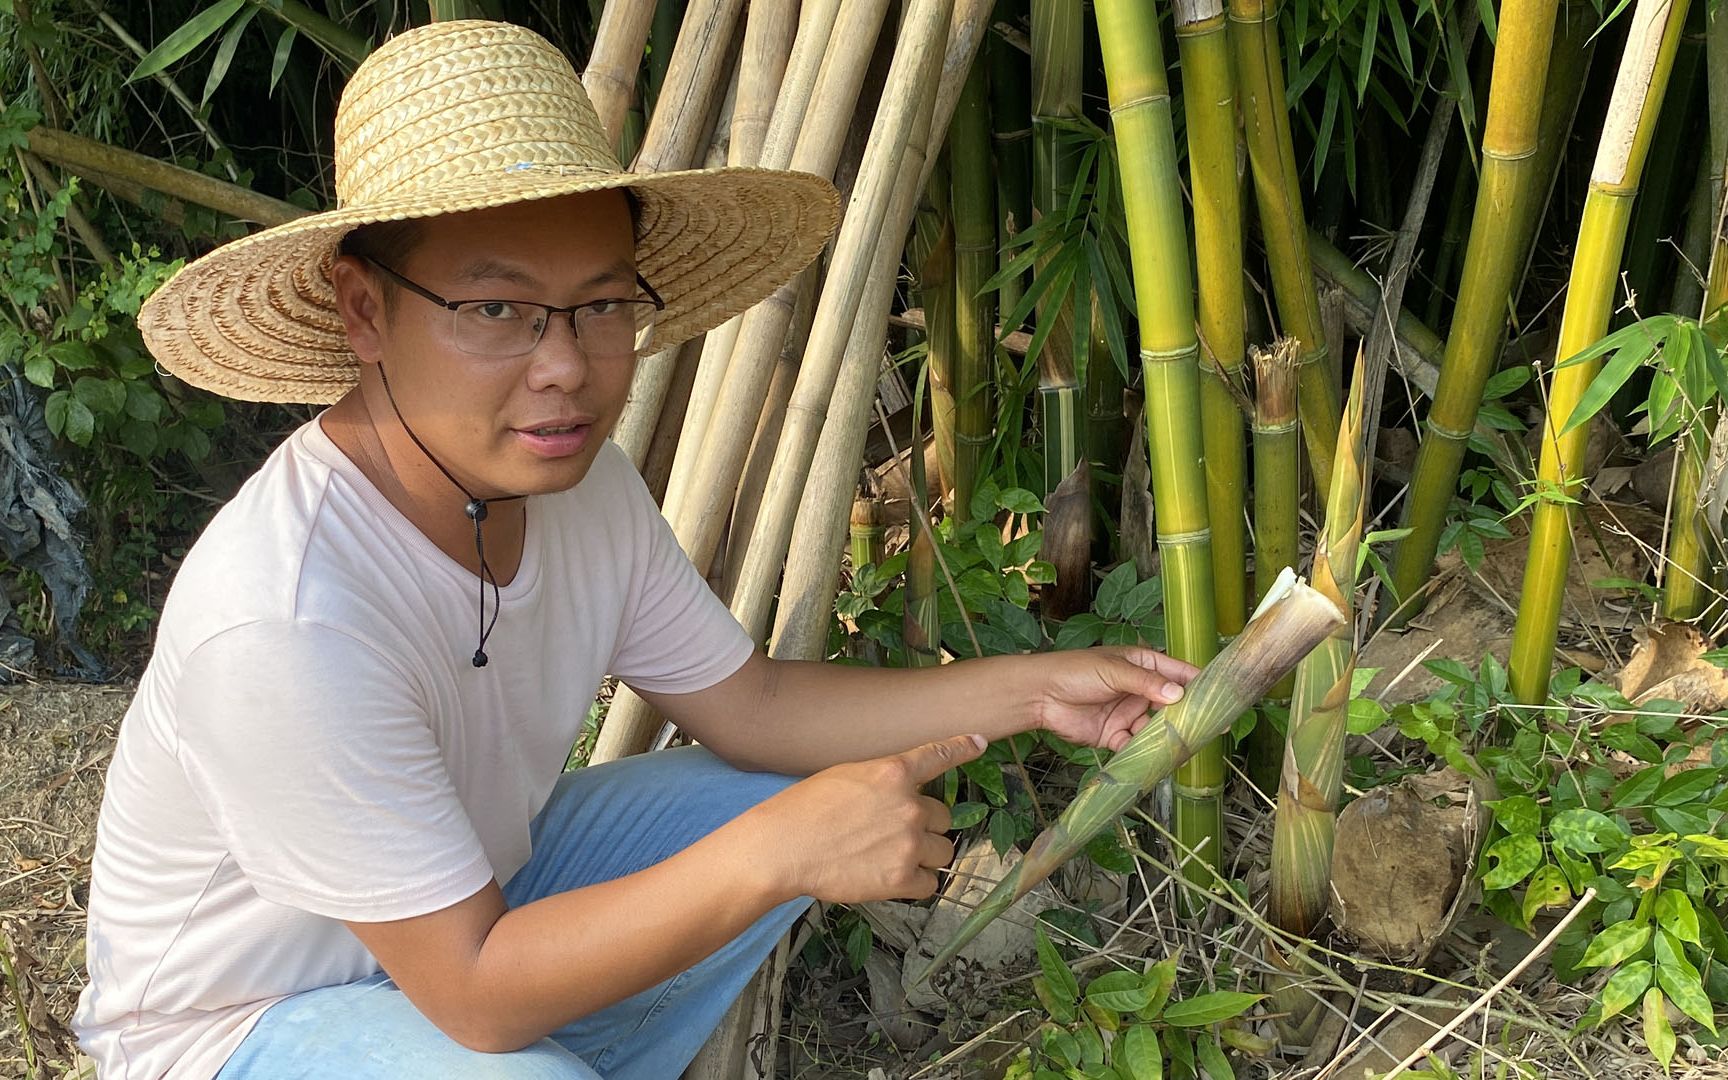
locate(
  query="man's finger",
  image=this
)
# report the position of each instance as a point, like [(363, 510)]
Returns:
[(937, 817), (1177, 671), (927, 762)]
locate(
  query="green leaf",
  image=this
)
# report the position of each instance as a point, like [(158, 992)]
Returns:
[(1114, 590), (1547, 889), (1107, 851), (279, 61), (1624, 988), (1159, 980), (1138, 1055), (1684, 986), (1212, 1059), (964, 815), (1002, 832), (39, 369), (192, 33), (1658, 1033), (1518, 815), (1510, 860), (1079, 632), (988, 777), (1685, 787), (1618, 943), (1637, 789), (989, 542), (143, 403), (1019, 501), (105, 396), (1675, 914), (225, 53), (1204, 1009), (1120, 991), (1062, 982), (1142, 600), (1632, 347)]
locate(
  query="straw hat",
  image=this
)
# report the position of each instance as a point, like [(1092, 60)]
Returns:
[(456, 116)]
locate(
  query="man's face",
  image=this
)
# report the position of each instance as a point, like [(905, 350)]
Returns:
[(518, 425)]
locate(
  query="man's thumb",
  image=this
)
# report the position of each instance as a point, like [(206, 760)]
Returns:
[(931, 760)]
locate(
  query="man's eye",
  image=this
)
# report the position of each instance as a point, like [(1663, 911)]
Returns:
[(604, 308), (497, 311)]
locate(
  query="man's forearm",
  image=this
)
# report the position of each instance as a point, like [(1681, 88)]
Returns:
[(560, 958), (799, 717)]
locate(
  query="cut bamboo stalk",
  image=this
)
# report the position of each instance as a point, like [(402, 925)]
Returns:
[(1058, 64), (975, 255), (1277, 190), (1292, 620), (1638, 90), (1169, 352), (1276, 522), (610, 77), (1490, 267), (75, 154), (807, 591), (917, 60), (1209, 102), (705, 476), (786, 99)]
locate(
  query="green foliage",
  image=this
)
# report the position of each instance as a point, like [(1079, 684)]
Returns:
[(1130, 1025), (1689, 371)]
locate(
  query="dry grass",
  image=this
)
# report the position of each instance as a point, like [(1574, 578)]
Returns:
[(55, 742)]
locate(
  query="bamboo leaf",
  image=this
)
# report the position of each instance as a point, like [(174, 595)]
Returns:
[(1629, 358), (1108, 313), (1365, 58), (279, 62), (191, 34), (225, 53)]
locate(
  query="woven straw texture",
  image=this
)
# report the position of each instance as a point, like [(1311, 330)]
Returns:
[(458, 116)]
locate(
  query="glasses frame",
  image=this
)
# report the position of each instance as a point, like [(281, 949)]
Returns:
[(453, 306)]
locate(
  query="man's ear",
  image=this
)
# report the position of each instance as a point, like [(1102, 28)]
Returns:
[(360, 301)]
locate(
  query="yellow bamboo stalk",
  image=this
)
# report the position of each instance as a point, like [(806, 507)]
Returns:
[(610, 77), (1508, 193), (1277, 190), (1638, 90)]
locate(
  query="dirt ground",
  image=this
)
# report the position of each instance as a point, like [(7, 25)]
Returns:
[(55, 743)]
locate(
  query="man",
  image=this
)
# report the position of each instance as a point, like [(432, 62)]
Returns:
[(337, 839)]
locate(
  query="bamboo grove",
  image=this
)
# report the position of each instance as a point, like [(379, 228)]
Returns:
[(1102, 272)]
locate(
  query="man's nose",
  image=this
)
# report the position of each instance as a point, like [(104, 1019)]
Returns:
[(560, 361)]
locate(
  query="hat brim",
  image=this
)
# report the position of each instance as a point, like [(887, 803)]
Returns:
[(256, 319)]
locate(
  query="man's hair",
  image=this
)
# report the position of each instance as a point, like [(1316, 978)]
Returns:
[(391, 242)]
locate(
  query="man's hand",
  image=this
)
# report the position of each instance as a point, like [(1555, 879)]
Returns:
[(862, 831), (1099, 697)]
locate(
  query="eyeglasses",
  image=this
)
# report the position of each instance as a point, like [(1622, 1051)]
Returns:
[(606, 329)]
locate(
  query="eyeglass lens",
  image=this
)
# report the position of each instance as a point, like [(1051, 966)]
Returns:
[(605, 331)]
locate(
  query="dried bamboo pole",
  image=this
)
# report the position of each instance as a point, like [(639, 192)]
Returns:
[(917, 59), (1209, 101), (610, 77), (705, 476), (806, 134), (807, 591), (1292, 620), (1277, 189), (784, 97), (680, 128), (1638, 91)]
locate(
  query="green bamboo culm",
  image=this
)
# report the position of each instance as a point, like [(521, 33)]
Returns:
[(931, 254), (974, 211), (1638, 89), (1140, 114), (1507, 194), (1278, 193), (1058, 56), (1291, 620), (1209, 102), (1692, 580), (921, 621), (1011, 135), (1277, 525)]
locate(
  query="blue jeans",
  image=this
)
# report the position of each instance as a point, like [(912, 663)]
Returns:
[(601, 823)]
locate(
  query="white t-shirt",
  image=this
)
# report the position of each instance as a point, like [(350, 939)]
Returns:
[(311, 743)]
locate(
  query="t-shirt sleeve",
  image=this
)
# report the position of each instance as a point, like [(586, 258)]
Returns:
[(317, 766), (677, 637)]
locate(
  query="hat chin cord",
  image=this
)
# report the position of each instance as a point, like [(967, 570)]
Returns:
[(476, 512)]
